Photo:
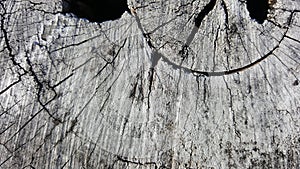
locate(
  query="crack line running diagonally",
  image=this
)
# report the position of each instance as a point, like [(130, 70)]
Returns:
[(113, 60), (209, 7), (198, 20), (10, 51)]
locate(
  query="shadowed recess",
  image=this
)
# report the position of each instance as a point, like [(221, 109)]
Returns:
[(258, 10), (96, 10)]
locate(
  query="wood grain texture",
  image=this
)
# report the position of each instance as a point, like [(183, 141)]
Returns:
[(151, 90)]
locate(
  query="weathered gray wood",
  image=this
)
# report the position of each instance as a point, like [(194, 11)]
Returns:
[(149, 90)]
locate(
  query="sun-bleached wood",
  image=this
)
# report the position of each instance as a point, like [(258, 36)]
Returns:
[(153, 89)]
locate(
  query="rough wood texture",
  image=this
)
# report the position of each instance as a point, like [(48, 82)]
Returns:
[(151, 90)]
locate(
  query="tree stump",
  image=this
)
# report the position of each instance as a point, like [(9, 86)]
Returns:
[(171, 84)]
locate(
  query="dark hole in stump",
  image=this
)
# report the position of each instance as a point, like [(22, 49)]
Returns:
[(296, 83), (96, 10), (258, 10)]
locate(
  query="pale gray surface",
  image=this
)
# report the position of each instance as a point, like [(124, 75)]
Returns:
[(76, 94)]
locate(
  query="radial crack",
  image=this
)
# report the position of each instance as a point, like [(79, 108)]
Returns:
[(209, 7), (198, 20)]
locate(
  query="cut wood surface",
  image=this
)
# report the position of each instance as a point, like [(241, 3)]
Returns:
[(173, 84)]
